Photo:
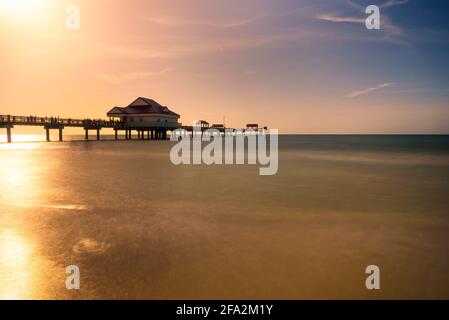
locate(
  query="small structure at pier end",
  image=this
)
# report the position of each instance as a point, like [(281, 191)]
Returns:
[(202, 124), (145, 116), (252, 126)]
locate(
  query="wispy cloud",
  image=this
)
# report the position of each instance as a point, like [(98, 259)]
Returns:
[(391, 32), (262, 29), (217, 44), (337, 19), (120, 78), (177, 22), (174, 21), (392, 3), (386, 4), (362, 92)]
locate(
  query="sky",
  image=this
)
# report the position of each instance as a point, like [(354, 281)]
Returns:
[(300, 66)]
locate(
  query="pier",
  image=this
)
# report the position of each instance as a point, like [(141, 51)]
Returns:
[(151, 132), (154, 131), (151, 121)]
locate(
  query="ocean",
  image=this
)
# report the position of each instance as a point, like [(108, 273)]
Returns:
[(139, 227)]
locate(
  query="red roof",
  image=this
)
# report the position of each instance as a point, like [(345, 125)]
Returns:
[(142, 106)]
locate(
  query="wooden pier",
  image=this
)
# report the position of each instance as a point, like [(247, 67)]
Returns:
[(152, 131), (158, 132)]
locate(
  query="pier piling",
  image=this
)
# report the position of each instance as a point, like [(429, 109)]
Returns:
[(8, 133)]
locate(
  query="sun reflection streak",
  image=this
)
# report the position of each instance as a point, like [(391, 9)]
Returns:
[(20, 261), (16, 171), (15, 254), (24, 139)]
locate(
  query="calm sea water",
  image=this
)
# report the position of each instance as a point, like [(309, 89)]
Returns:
[(140, 227)]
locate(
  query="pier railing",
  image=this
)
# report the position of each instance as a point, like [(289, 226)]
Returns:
[(42, 121)]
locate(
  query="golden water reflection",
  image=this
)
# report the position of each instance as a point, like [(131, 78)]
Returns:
[(15, 266), (17, 171), (21, 184), (22, 138)]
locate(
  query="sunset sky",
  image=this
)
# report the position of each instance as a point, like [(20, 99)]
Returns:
[(296, 65)]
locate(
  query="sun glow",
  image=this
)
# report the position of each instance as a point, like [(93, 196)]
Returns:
[(20, 7)]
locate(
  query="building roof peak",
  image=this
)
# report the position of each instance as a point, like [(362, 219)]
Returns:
[(142, 105)]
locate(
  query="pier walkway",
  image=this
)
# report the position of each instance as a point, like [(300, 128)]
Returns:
[(156, 131)]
